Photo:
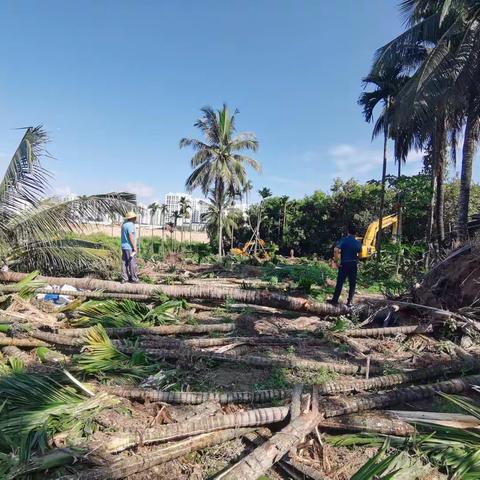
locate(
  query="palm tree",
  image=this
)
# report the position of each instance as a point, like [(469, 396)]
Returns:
[(153, 209), (388, 82), (247, 188), (184, 212), (282, 216), (163, 213), (441, 45), (264, 193), (33, 229), (176, 215), (218, 164)]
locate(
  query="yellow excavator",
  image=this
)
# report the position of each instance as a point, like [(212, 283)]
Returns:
[(249, 248), (370, 238)]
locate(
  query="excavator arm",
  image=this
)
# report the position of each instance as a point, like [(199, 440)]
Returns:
[(370, 238)]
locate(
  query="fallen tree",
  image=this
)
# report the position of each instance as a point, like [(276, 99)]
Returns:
[(254, 361), (173, 431), (257, 297), (195, 398)]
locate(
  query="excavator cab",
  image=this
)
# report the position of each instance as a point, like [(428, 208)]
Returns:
[(370, 239)]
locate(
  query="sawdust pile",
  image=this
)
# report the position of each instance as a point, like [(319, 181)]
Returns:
[(454, 283)]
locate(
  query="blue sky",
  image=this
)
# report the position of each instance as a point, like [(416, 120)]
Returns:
[(117, 83)]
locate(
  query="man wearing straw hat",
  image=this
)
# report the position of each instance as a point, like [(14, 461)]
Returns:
[(129, 249)]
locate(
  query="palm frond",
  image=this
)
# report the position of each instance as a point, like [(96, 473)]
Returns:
[(52, 219), (25, 180), (28, 285), (99, 356), (63, 256)]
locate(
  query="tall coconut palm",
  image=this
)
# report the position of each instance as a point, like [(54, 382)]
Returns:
[(34, 229), (448, 34), (218, 163), (388, 83), (176, 215), (184, 212), (153, 209), (163, 213)]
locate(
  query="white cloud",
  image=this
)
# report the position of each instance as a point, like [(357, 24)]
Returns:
[(351, 161), (142, 190)]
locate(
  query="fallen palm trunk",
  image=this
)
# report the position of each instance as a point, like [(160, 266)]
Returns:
[(254, 361), (151, 342), (15, 352), (386, 381), (360, 403), (174, 431), (382, 422), (380, 332), (293, 468), (161, 330), (56, 338), (127, 466), (22, 342), (263, 457), (258, 297), (455, 420), (195, 398)]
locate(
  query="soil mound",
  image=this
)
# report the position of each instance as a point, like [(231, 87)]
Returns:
[(453, 283)]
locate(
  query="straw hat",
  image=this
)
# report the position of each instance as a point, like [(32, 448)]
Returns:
[(129, 215)]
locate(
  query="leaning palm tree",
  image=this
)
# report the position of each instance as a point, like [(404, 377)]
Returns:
[(218, 164), (35, 231)]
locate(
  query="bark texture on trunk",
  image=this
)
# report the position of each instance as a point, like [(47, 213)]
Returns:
[(469, 143), (382, 193), (383, 423), (160, 330), (174, 431), (189, 292), (126, 466), (262, 458), (195, 398), (254, 361), (380, 332), (399, 395), (17, 353), (386, 381)]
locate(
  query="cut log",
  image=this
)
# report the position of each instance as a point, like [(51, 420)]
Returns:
[(174, 431), (22, 342), (15, 352), (161, 330), (381, 332), (255, 361), (56, 338), (378, 422), (456, 420), (361, 403), (387, 381), (194, 398), (257, 297), (263, 457), (152, 342), (125, 467)]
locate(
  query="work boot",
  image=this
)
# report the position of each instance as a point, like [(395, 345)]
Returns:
[(350, 303), (332, 301)]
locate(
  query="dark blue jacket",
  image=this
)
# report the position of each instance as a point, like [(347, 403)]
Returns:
[(350, 248)]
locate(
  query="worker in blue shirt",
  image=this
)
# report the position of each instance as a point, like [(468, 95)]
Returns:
[(129, 249), (346, 250)]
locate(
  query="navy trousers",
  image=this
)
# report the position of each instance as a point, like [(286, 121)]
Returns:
[(346, 270)]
